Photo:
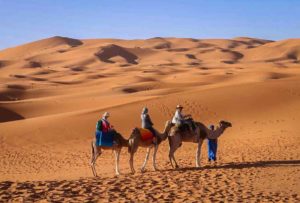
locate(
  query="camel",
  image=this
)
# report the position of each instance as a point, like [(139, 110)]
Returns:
[(136, 141), (119, 142), (201, 133)]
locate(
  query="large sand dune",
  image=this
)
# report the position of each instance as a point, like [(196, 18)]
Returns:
[(52, 92)]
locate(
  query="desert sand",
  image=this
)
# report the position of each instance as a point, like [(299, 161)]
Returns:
[(53, 91)]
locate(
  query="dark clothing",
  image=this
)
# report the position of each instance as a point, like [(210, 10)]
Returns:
[(146, 121), (212, 149), (152, 130), (103, 125), (99, 125)]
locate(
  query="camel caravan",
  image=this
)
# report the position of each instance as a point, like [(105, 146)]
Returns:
[(182, 128)]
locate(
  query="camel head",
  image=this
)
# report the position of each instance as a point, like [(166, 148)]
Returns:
[(225, 124)]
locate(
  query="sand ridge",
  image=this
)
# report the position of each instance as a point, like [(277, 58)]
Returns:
[(53, 91)]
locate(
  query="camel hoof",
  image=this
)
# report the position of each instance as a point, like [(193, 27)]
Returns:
[(176, 166), (143, 170)]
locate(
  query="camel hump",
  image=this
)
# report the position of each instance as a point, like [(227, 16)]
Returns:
[(135, 132)]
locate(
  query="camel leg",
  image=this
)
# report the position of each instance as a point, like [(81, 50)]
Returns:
[(93, 164), (92, 160), (133, 148), (198, 152), (154, 157), (172, 158), (175, 143), (146, 159), (171, 149), (131, 162), (92, 153), (95, 154), (117, 156)]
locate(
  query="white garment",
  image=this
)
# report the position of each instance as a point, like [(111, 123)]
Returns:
[(178, 118)]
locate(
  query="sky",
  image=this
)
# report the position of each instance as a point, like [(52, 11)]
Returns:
[(23, 21)]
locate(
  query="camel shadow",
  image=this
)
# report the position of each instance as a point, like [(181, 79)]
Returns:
[(234, 165)]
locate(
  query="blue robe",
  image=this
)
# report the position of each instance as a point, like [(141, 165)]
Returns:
[(104, 138), (212, 149)]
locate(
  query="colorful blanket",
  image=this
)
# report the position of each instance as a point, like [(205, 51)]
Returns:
[(146, 134), (104, 138)]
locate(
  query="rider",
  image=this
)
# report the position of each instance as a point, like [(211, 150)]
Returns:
[(103, 126), (147, 123), (179, 119)]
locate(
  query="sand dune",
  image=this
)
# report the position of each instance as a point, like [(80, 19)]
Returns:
[(52, 92), (111, 51)]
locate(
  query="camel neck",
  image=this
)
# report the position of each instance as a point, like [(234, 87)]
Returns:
[(214, 134), (220, 130), (166, 130)]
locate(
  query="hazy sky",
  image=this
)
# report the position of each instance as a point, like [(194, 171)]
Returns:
[(23, 21)]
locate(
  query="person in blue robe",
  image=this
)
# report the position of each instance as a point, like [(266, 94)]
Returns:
[(212, 147)]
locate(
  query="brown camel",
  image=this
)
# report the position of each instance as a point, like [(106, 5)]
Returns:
[(136, 141), (201, 133), (118, 141)]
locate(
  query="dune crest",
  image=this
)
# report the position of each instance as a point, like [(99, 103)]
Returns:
[(107, 52)]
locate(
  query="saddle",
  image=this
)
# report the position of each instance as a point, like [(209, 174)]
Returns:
[(146, 134), (188, 125)]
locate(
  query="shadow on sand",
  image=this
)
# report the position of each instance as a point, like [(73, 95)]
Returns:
[(236, 165)]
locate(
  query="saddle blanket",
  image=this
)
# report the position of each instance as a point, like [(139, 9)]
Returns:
[(104, 138), (146, 134)]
